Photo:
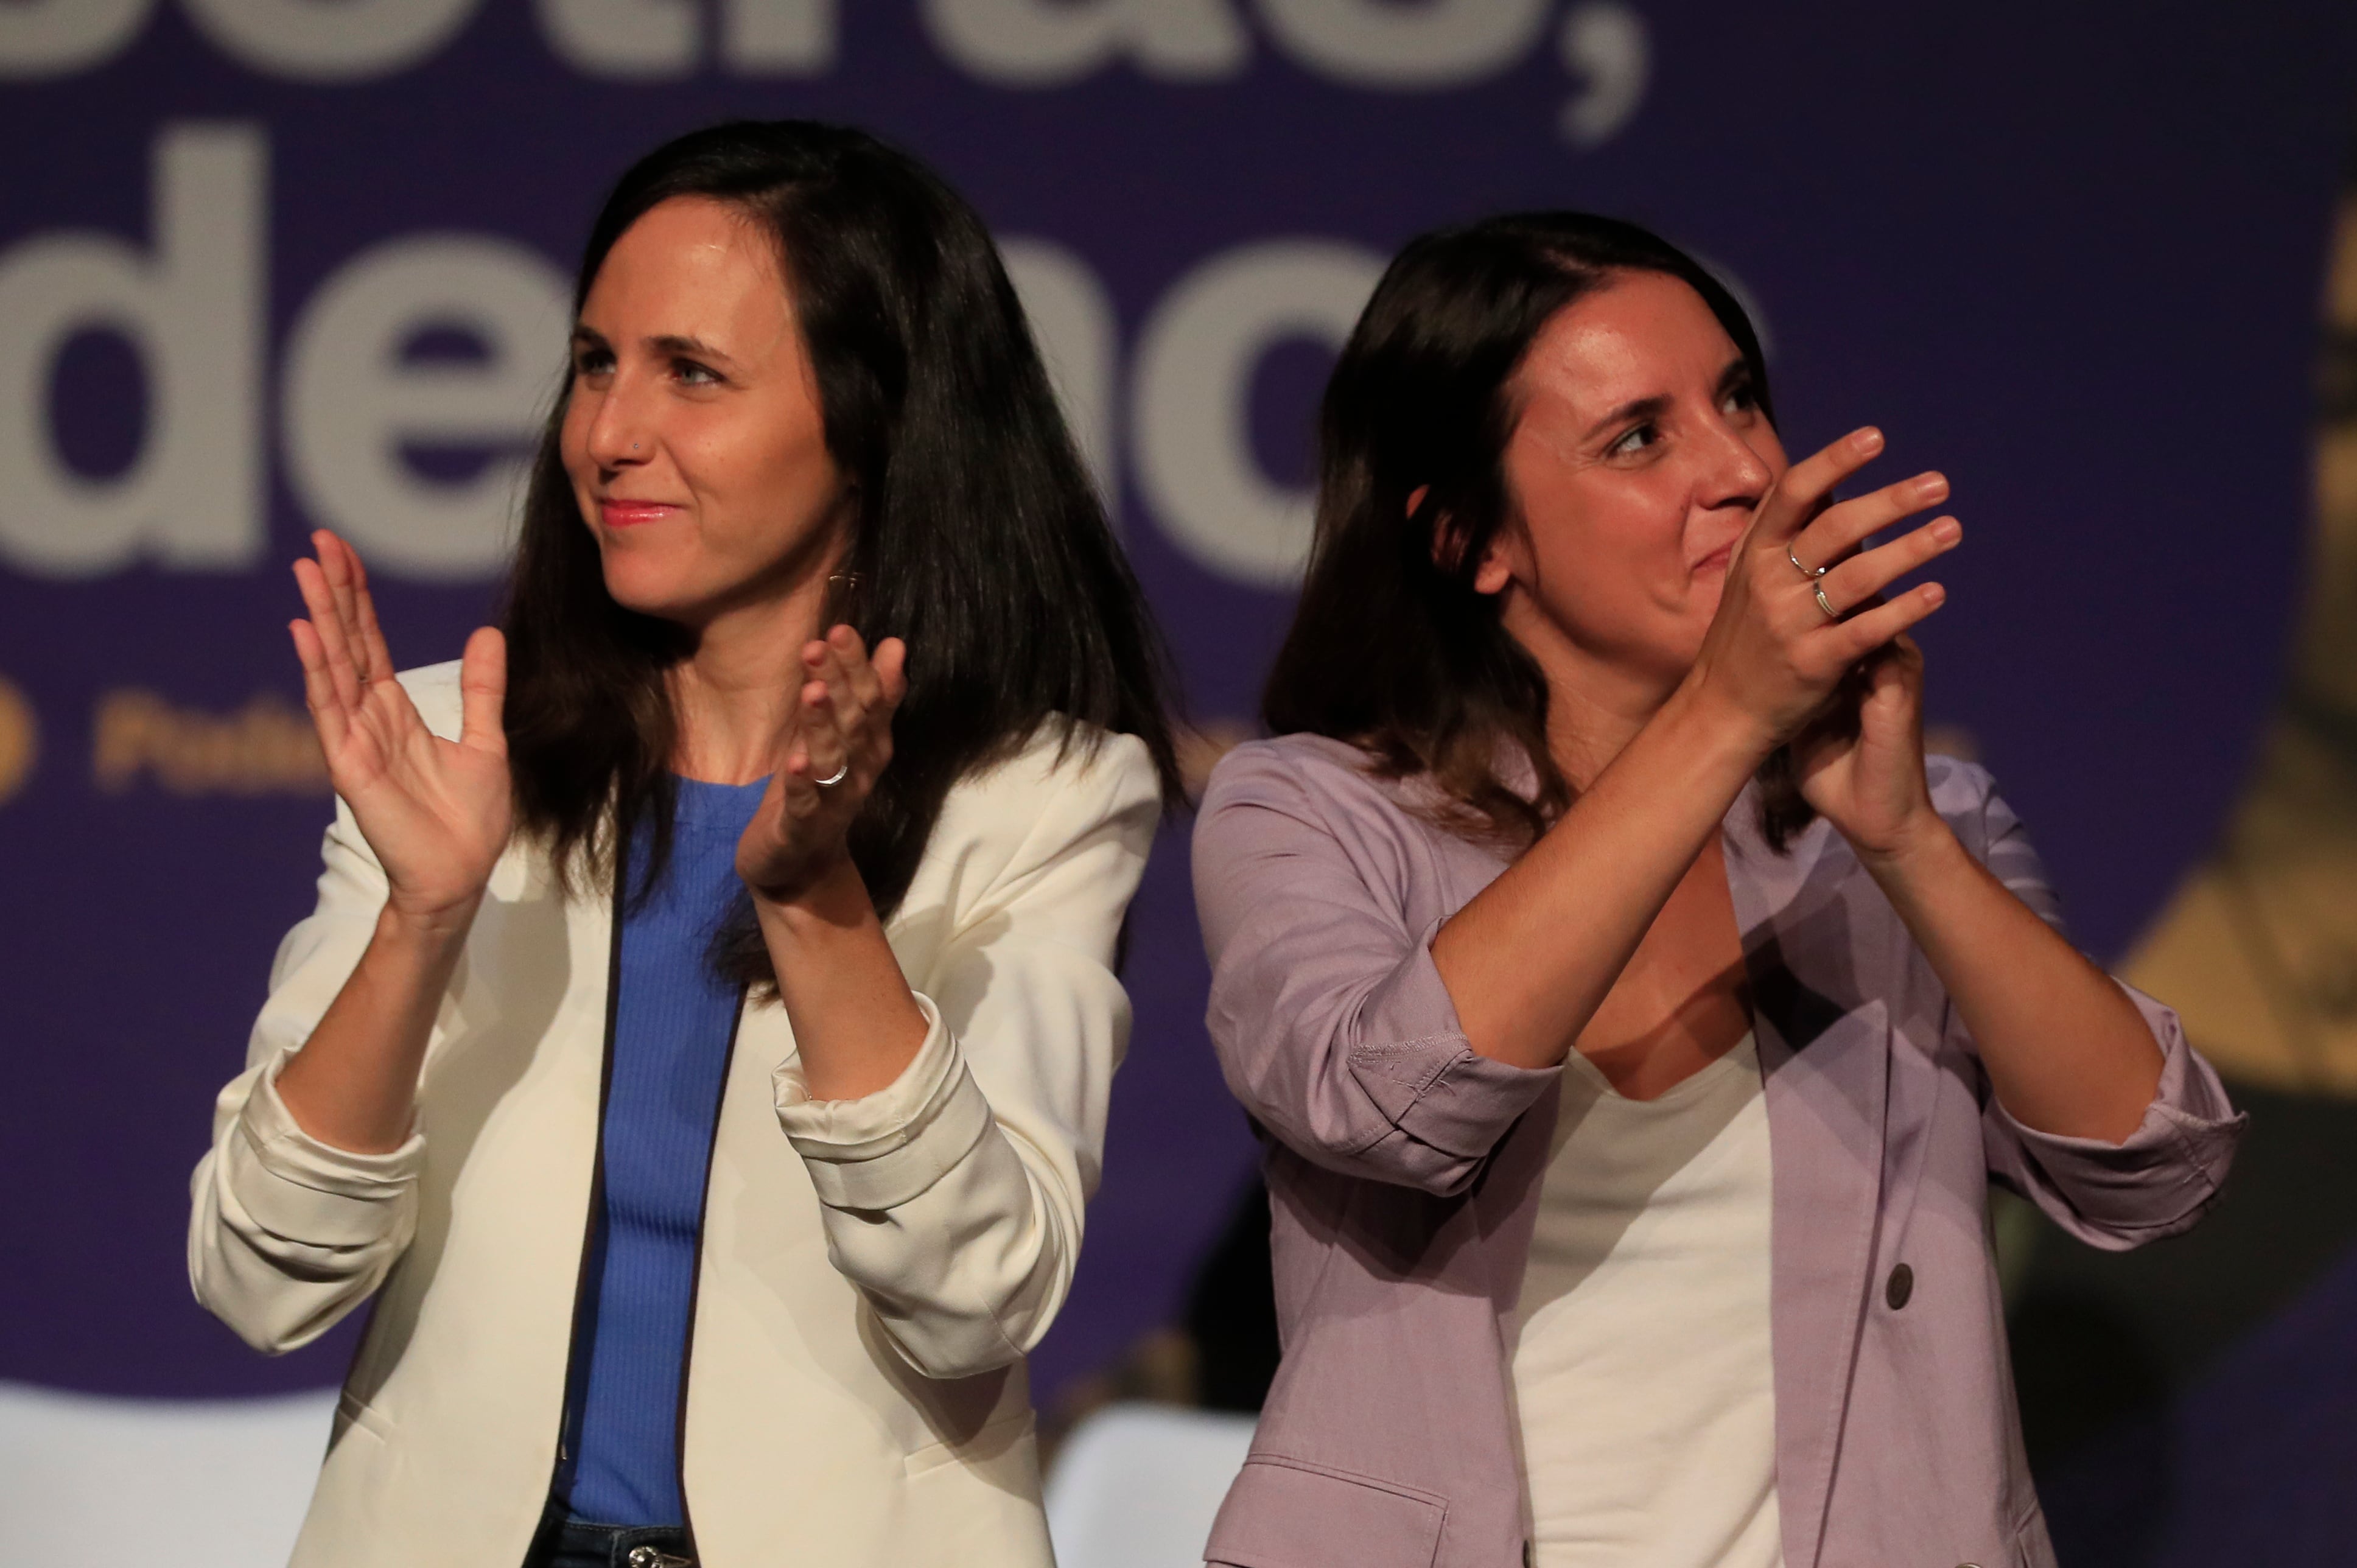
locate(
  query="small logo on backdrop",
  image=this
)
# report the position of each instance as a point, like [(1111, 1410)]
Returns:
[(20, 739), (266, 747)]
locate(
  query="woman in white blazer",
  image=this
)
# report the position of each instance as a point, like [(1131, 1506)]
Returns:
[(699, 1051)]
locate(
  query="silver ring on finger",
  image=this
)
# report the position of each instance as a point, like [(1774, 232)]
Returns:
[(1825, 604), (1811, 572), (840, 774)]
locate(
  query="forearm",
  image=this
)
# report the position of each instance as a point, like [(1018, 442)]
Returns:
[(857, 1024), (1529, 959), (353, 1085), (2066, 1051)]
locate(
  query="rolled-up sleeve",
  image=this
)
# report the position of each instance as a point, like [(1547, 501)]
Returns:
[(299, 1232), (954, 1197), (2166, 1174), (1331, 1022), (287, 1234), (881, 1151)]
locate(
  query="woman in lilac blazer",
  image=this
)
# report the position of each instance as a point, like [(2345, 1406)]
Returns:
[(1635, 1017)]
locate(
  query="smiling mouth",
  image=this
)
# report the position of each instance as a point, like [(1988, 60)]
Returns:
[(1717, 558), (631, 514)]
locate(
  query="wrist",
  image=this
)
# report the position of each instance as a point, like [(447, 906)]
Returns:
[(1708, 726), (429, 929), (1924, 846), (835, 897)]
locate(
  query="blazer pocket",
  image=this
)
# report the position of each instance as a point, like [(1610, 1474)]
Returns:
[(351, 1413), (1288, 1513), (988, 1448), (2031, 1547)]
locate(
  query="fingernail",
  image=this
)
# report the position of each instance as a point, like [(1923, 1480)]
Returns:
[(1931, 487), (1947, 531), (1934, 593), (1868, 440)]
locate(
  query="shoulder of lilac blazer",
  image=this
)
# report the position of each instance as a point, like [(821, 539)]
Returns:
[(1403, 1169)]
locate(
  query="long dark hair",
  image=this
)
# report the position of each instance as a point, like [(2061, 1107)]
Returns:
[(1391, 648), (975, 533)]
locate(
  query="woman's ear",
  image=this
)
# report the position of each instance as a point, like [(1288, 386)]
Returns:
[(1496, 569), (1448, 541)]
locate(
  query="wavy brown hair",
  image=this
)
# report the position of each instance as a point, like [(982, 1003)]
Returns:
[(976, 535), (1392, 649)]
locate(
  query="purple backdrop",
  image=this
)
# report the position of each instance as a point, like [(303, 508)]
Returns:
[(2070, 255)]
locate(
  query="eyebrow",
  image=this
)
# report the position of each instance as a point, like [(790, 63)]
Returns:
[(1639, 408), (1738, 369), (668, 343), (695, 347)]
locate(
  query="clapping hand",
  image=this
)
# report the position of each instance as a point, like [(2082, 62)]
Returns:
[(1861, 764), (838, 744), (1807, 644), (436, 812), (1802, 603)]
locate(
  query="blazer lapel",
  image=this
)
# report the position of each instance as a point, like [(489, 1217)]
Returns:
[(1824, 1054)]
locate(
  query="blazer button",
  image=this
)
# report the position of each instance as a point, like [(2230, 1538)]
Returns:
[(1898, 1292)]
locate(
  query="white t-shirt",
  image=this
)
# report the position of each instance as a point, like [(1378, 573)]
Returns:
[(1641, 1369)]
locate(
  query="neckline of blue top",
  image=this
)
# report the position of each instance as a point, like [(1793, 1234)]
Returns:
[(704, 804)]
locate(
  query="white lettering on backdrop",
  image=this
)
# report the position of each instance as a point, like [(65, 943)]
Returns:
[(56, 38), (192, 307), (1381, 44), (1194, 397), (346, 41), (358, 406), (1604, 46), (664, 40), (1040, 43), (352, 402), (1442, 43)]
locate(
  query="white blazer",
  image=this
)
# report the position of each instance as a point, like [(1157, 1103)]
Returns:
[(870, 1274)]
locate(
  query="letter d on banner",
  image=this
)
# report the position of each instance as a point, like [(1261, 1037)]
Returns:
[(193, 309)]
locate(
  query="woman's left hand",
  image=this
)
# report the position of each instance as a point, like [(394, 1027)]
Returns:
[(841, 731), (1861, 763)]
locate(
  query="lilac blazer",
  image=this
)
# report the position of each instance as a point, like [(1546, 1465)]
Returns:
[(1403, 1171)]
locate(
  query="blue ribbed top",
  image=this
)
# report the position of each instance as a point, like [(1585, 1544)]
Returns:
[(674, 1022)]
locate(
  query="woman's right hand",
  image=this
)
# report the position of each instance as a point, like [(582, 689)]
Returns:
[(1772, 654), (436, 812)]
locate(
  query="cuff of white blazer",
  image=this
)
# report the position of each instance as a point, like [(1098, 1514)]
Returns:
[(2187, 1138), (298, 1187), (1421, 1072), (885, 1148)]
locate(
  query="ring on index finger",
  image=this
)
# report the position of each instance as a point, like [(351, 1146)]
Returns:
[(1825, 604), (1811, 572)]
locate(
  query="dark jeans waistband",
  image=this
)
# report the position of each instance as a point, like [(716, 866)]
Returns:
[(572, 1543)]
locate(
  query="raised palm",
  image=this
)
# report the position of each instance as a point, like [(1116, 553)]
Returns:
[(436, 813)]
